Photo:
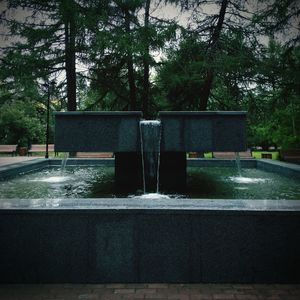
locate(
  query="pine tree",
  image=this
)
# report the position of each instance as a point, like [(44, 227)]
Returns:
[(45, 40)]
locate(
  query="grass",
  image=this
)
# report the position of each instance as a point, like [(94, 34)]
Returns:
[(208, 155), (255, 154), (258, 154)]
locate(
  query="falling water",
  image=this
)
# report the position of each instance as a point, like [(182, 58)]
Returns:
[(64, 162), (150, 148), (238, 163)]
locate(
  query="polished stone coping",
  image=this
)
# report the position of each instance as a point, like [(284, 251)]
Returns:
[(278, 163), (139, 204), (139, 113), (97, 113), (200, 113), (279, 167)]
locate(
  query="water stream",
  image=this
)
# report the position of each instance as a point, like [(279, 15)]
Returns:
[(150, 147), (64, 162), (238, 163)]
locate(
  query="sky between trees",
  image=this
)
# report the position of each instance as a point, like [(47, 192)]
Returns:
[(152, 55)]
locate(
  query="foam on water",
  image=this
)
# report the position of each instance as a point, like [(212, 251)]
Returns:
[(152, 196), (150, 122), (241, 179), (241, 188), (53, 179)]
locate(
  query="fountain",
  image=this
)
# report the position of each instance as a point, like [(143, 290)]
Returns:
[(150, 238), (148, 150)]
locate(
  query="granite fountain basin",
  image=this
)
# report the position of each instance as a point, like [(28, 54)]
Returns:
[(139, 240)]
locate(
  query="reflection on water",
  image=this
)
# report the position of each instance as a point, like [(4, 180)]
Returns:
[(98, 182)]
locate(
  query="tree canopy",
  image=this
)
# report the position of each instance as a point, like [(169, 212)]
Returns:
[(151, 55)]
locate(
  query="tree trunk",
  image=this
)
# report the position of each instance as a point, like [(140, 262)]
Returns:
[(70, 63), (207, 85), (131, 80), (206, 88), (146, 83)]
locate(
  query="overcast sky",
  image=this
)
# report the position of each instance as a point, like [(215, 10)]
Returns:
[(164, 11)]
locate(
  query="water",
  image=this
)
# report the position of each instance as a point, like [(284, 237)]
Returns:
[(238, 163), (150, 148), (75, 182), (98, 182), (64, 162), (225, 183)]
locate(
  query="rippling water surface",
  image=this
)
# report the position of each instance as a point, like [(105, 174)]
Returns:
[(98, 182)]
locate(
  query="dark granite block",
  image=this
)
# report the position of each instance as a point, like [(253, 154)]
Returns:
[(149, 245), (97, 131), (229, 132), (164, 248), (64, 241), (19, 249), (276, 249), (113, 249), (128, 172), (227, 246), (172, 177), (203, 131)]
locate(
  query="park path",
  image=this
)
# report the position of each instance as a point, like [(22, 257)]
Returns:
[(150, 291)]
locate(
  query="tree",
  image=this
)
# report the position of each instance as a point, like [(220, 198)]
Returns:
[(275, 107), (46, 41), (146, 60), (279, 18), (121, 45), (20, 124), (211, 27), (182, 76)]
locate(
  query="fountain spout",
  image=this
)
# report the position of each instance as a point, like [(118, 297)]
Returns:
[(150, 148)]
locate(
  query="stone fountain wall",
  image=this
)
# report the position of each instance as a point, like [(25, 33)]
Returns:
[(110, 244), (118, 132)]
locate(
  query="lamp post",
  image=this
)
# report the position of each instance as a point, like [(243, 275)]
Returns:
[(50, 87)]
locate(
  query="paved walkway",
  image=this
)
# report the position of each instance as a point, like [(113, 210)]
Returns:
[(8, 160), (150, 291)]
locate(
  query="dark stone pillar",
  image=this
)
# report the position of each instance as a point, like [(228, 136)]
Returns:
[(172, 177), (128, 172)]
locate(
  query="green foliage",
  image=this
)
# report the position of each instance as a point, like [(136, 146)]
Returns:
[(181, 76), (261, 79), (19, 124)]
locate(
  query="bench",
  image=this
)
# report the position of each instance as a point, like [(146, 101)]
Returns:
[(41, 148), (231, 155), (8, 149), (94, 154), (290, 155)]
